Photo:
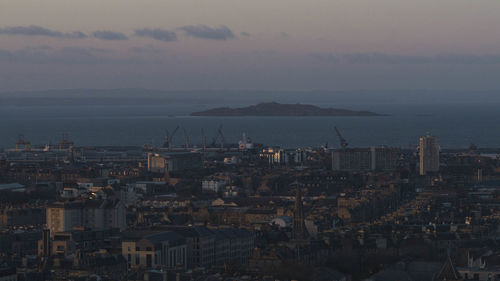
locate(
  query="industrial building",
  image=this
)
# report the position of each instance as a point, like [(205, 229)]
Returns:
[(174, 161), (365, 159)]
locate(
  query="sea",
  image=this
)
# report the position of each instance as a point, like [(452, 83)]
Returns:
[(457, 125)]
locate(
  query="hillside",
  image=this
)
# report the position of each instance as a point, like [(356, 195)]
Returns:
[(277, 109)]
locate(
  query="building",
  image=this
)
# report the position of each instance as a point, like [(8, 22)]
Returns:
[(233, 246), (23, 243), (21, 216), (8, 274), (95, 266), (429, 154), (174, 161), (213, 185), (365, 159), (150, 187), (298, 228), (200, 245), (299, 156), (386, 158), (282, 221), (157, 163), (12, 187), (44, 245), (81, 240), (274, 156), (208, 248), (94, 214), (164, 249)]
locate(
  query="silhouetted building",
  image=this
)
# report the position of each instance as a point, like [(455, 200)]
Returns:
[(365, 159), (44, 245), (8, 274), (173, 161), (429, 154), (299, 230), (94, 214), (165, 249)]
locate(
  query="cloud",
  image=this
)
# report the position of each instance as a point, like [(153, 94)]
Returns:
[(207, 32), (34, 30), (157, 34), (245, 33), (381, 58), (109, 35)]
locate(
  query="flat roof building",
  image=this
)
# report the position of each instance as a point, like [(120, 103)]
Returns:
[(365, 159), (429, 154)]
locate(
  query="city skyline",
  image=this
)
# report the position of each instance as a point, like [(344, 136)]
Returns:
[(255, 140)]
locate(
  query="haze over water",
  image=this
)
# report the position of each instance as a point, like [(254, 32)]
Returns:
[(455, 124), (295, 45)]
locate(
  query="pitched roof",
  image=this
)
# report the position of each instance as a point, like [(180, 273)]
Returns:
[(448, 271)]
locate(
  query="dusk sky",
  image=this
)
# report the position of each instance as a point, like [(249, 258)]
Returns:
[(234, 44)]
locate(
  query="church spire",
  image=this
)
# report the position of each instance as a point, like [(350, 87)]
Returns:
[(298, 231), (448, 271)]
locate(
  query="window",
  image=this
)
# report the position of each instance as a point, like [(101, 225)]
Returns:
[(137, 260), (129, 258), (137, 249), (149, 262), (148, 248)]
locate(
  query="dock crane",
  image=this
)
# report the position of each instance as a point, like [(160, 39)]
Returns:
[(65, 143), (22, 143), (169, 137), (203, 139), (218, 136), (219, 131), (186, 137), (214, 141), (343, 142)]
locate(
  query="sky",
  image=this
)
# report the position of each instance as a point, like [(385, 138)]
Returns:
[(258, 44)]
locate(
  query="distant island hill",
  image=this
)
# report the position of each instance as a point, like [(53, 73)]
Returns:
[(279, 109)]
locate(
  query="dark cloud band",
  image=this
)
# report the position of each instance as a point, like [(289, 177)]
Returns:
[(207, 32), (199, 31), (109, 35), (157, 34), (34, 30)]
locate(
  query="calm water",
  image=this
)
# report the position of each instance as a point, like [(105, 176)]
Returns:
[(456, 125)]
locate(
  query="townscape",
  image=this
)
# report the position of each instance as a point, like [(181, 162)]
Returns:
[(248, 211), (226, 140)]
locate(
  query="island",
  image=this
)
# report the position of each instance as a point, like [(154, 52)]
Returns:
[(278, 109)]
